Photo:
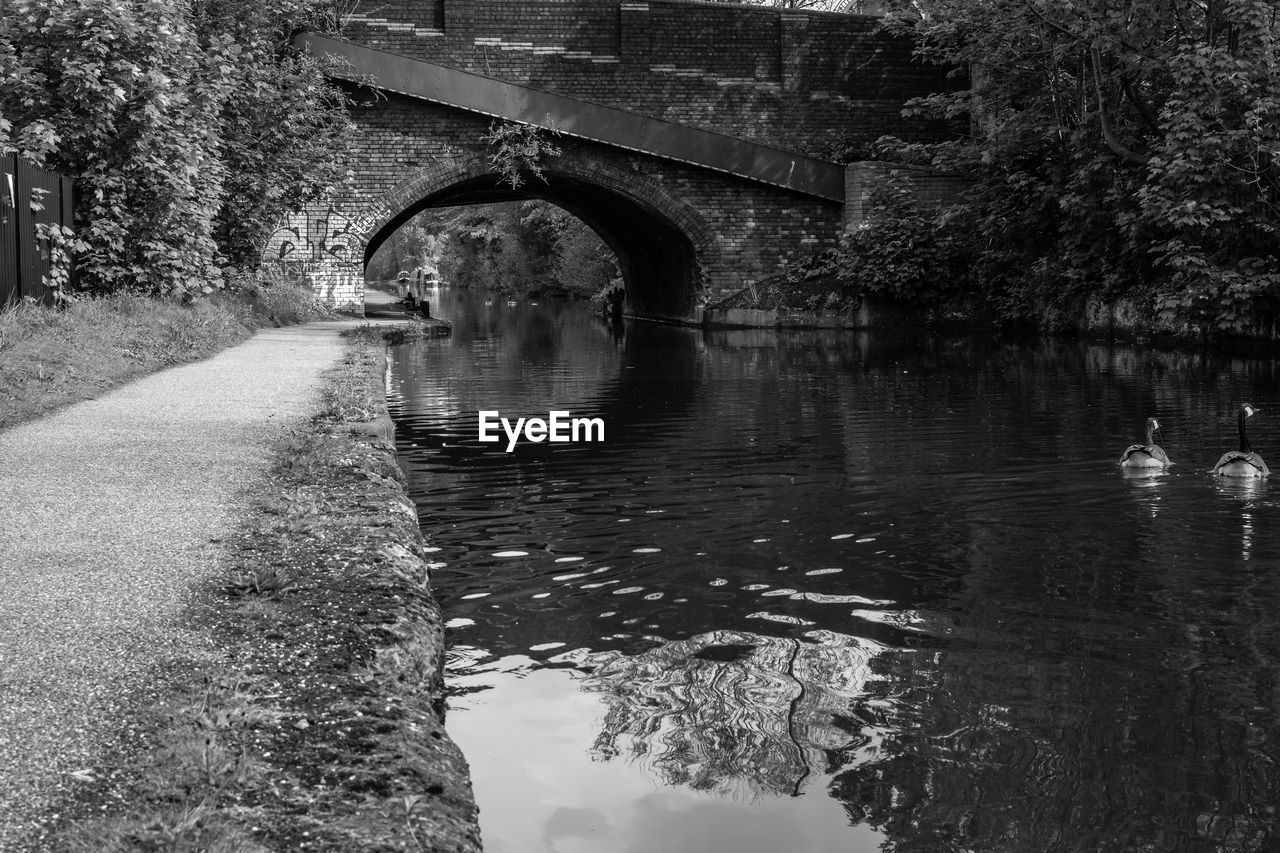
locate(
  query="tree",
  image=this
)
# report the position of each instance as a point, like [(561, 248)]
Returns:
[(188, 126), (1123, 149), (513, 247)]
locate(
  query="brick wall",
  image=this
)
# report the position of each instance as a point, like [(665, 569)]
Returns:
[(804, 81), (930, 188), (413, 154), (807, 82)]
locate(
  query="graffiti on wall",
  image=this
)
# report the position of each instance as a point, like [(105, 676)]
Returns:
[(316, 236)]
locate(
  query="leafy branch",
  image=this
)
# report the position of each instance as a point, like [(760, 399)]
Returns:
[(62, 246), (520, 149)]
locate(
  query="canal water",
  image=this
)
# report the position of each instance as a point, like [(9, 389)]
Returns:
[(821, 592)]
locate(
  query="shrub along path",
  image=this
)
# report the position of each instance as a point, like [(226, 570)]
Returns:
[(110, 511)]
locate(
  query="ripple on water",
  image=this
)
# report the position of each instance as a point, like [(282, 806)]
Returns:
[(833, 598), (780, 617)]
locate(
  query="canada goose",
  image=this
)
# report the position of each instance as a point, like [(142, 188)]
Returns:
[(1149, 455), (1243, 462)]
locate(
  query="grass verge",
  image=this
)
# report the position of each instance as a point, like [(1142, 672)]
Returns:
[(316, 721), (52, 357)]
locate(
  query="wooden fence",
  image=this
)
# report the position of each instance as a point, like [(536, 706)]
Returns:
[(29, 197)]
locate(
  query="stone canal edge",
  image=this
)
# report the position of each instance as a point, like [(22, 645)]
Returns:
[(315, 721)]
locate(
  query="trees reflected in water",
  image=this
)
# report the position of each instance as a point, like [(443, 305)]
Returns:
[(980, 748), (737, 713)]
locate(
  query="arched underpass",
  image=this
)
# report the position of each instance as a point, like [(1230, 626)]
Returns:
[(659, 261)]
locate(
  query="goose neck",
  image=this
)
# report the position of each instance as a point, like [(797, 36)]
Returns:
[(1244, 438)]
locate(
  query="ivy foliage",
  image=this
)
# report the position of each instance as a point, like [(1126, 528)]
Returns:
[(905, 252), (1123, 150), (519, 151), (188, 125)]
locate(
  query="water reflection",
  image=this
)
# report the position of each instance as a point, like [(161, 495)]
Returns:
[(889, 593), (580, 786), (740, 714), (1148, 485), (1250, 495)]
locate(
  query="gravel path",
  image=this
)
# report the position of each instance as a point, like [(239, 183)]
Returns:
[(109, 511)]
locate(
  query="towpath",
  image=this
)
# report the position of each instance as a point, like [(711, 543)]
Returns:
[(110, 511)]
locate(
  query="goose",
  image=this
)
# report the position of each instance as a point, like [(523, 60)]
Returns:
[(1243, 462), (1149, 455)]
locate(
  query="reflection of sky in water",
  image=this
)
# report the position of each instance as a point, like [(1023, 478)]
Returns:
[(902, 577), (664, 751), (733, 712)]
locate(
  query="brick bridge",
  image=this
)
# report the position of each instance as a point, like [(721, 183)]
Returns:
[(693, 133)]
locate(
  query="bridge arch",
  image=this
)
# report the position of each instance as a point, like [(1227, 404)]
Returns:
[(662, 244), (690, 132)]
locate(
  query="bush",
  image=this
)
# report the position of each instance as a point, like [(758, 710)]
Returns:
[(169, 118), (1114, 158), (906, 253)]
